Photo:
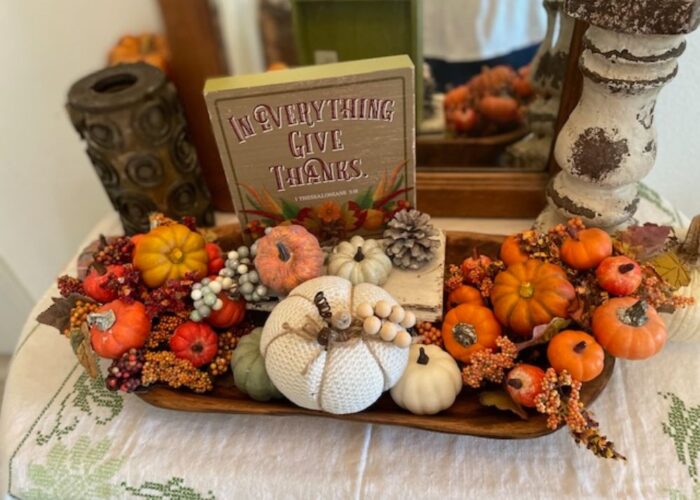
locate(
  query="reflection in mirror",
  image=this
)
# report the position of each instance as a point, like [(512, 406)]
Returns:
[(491, 70)]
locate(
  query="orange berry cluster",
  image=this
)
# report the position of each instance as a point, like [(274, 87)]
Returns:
[(489, 365), (222, 362), (164, 366), (78, 315), (560, 400), (163, 329), (430, 333)]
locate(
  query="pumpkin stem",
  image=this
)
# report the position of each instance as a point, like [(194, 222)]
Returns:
[(635, 315), (625, 268), (580, 347), (283, 252), (103, 321), (422, 357), (465, 334), (359, 256), (526, 290), (515, 383), (691, 244)]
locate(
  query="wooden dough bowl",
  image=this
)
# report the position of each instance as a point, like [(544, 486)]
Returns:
[(466, 416)]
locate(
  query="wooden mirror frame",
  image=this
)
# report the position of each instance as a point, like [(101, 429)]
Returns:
[(197, 53)]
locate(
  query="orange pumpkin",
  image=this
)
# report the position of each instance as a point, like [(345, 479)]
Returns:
[(500, 109), (586, 249), (578, 353), (170, 252), (629, 328), (231, 313), (510, 251), (117, 327), (469, 328), (148, 48), (464, 294), (286, 257), (529, 294)]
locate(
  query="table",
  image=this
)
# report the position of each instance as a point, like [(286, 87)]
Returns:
[(65, 436)]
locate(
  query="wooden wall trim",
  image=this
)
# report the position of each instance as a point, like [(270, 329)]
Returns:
[(197, 54)]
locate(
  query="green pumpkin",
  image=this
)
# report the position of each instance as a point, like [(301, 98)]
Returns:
[(248, 367)]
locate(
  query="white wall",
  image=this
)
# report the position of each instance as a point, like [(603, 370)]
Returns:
[(676, 174), (49, 193)]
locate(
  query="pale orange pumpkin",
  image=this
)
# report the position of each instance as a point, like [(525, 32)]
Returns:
[(148, 48), (469, 328), (629, 328), (531, 293), (170, 252), (286, 257), (464, 294)]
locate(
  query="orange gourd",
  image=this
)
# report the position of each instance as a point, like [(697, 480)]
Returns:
[(469, 328), (170, 252), (286, 257), (529, 294), (464, 294), (231, 313), (629, 328), (578, 353), (500, 109), (510, 251), (148, 48), (587, 248), (117, 327)]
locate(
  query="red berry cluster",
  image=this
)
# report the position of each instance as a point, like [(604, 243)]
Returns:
[(124, 374), (116, 251)]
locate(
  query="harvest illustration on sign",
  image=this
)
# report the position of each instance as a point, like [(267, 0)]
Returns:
[(369, 210)]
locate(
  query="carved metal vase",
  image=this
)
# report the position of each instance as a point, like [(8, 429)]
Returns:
[(137, 140), (608, 144)]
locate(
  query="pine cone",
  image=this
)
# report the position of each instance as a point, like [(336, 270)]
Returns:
[(412, 239)]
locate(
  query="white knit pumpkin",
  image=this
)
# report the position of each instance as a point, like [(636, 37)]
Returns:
[(346, 378)]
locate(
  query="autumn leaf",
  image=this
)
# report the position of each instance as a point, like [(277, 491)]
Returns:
[(542, 334), (58, 314), (671, 268), (645, 241), (80, 342), (501, 400)]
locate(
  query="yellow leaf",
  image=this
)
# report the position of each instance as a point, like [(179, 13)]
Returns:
[(381, 187), (671, 269)]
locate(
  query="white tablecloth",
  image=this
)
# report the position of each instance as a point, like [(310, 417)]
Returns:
[(64, 436)]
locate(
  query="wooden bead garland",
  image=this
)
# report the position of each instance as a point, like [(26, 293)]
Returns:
[(391, 323)]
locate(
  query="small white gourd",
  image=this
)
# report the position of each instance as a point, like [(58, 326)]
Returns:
[(431, 382), (360, 261)]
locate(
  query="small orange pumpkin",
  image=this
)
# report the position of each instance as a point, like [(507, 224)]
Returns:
[(587, 248), (231, 313), (117, 327), (148, 47), (170, 252), (464, 294), (510, 251), (578, 353), (629, 328), (529, 294), (286, 257), (469, 328)]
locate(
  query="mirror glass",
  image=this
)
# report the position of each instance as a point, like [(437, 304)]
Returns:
[(489, 72)]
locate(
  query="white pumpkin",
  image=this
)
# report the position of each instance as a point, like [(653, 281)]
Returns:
[(431, 382), (348, 376), (684, 324), (360, 261)]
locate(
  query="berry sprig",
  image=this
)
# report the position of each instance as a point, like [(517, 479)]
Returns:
[(239, 267), (487, 365), (560, 400), (78, 315), (164, 366), (115, 251), (430, 333), (124, 374), (68, 285)]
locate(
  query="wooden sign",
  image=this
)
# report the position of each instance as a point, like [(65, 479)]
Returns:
[(329, 147)]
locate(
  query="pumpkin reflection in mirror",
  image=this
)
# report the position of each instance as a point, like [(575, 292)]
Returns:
[(170, 252)]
